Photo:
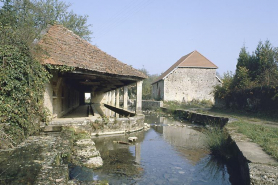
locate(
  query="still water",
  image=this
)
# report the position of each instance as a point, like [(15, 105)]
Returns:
[(167, 153)]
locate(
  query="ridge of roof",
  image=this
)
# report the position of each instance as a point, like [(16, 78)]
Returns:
[(185, 62), (63, 47), (197, 62), (174, 66)]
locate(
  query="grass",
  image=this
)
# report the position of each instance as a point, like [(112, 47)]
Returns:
[(77, 135), (241, 114), (265, 136), (174, 105), (218, 142)]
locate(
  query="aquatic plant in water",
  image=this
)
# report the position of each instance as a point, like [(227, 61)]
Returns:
[(218, 142)]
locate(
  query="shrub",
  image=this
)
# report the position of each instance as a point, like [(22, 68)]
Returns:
[(22, 82)]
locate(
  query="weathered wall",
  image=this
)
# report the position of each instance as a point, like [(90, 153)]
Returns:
[(98, 126), (158, 90), (48, 97), (186, 84), (198, 117), (60, 97)]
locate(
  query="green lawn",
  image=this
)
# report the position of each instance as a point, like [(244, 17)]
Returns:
[(265, 136)]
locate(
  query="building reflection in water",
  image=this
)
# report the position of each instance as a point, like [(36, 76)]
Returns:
[(118, 158), (187, 141), (138, 153)]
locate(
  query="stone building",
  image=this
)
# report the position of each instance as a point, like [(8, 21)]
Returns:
[(192, 77), (91, 71)]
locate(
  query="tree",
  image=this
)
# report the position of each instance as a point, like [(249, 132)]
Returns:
[(266, 65), (222, 91), (255, 81), (147, 84), (242, 79), (29, 17), (243, 59), (258, 69)]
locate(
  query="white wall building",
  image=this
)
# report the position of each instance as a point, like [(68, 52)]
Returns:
[(192, 77)]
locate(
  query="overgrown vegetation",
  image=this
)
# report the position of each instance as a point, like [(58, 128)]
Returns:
[(218, 142), (253, 87), (21, 83), (22, 77), (265, 136)]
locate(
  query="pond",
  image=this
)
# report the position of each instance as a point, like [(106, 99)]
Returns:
[(170, 152)]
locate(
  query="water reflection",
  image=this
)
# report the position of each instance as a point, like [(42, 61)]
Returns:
[(215, 168), (161, 155)]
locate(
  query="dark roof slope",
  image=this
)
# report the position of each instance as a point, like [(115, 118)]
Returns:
[(191, 60), (63, 47)]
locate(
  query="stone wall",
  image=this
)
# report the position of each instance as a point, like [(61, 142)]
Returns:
[(48, 97), (151, 105), (186, 84), (99, 126), (158, 90), (197, 117)]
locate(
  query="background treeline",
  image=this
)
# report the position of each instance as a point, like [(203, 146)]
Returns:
[(146, 88), (22, 77), (254, 86), (147, 84)]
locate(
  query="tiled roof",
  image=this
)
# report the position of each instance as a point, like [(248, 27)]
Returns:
[(191, 60), (63, 47)]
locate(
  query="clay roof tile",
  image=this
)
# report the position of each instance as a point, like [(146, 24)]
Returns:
[(63, 47)]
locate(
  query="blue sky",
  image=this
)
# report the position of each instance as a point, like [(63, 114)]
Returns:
[(155, 33)]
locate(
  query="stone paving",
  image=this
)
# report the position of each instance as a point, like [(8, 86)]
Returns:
[(86, 154), (80, 111), (49, 169)]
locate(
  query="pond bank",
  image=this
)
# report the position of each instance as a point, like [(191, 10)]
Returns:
[(262, 167)]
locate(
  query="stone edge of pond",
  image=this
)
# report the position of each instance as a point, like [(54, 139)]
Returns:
[(97, 126), (260, 172), (53, 170)]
